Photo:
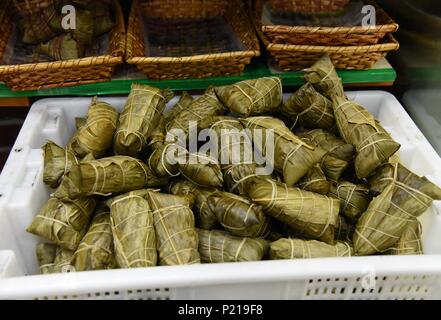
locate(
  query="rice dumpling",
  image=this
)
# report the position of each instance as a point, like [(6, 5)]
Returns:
[(171, 160), (239, 216), (63, 222), (292, 156), (133, 231), (95, 251), (339, 154), (404, 197), (96, 135), (41, 26), (309, 108), (315, 181), (219, 247), (184, 101), (252, 97), (203, 107), (141, 115), (57, 162), (307, 249), (324, 78), (46, 253), (202, 170), (63, 261), (357, 126), (354, 198), (92, 177), (308, 213), (177, 239), (235, 151), (410, 242), (62, 47), (206, 218)]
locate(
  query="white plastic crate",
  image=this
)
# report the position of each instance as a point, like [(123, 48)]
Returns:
[(22, 193)]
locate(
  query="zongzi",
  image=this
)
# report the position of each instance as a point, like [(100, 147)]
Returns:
[(354, 198), (252, 97), (219, 246), (315, 181), (373, 144), (95, 251), (106, 176), (96, 135), (339, 154), (235, 150), (63, 222), (206, 218), (203, 107), (403, 197), (141, 115), (292, 156), (324, 78), (307, 249), (57, 162), (40, 26), (62, 47), (177, 239), (309, 108), (133, 231), (308, 213), (239, 216)]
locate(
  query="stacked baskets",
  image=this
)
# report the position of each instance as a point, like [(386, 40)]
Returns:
[(350, 47), (53, 74), (151, 47)]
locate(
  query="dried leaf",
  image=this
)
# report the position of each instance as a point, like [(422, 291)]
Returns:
[(354, 198)]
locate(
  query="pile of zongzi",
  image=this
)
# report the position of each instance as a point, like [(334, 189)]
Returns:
[(58, 33), (156, 186)]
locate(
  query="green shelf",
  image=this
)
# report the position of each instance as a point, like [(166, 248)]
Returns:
[(382, 73)]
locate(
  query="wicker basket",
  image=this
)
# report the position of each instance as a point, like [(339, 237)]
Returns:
[(25, 7), (298, 57), (197, 66), (328, 36), (309, 6), (56, 74)]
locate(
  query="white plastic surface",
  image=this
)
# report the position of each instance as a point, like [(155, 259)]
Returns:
[(424, 108), (22, 193)]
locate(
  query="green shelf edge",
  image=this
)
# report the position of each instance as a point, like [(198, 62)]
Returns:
[(255, 70)]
